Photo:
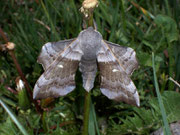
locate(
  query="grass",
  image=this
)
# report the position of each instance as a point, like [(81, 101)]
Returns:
[(146, 26), (13, 117), (161, 104)]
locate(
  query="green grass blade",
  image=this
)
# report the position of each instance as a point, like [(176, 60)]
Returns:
[(94, 117), (104, 13), (167, 7), (50, 21), (115, 22), (93, 125), (160, 101), (91, 128), (55, 9), (13, 117), (8, 101), (123, 18)]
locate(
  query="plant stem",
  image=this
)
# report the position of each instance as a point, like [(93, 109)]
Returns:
[(87, 94), (123, 14), (90, 21), (171, 63), (86, 112), (18, 68), (44, 123)]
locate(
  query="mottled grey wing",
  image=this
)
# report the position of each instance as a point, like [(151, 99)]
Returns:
[(58, 78), (125, 55), (51, 50), (115, 81)]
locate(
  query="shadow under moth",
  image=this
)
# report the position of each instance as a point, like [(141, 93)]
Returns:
[(89, 52)]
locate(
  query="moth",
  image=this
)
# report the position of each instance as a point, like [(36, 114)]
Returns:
[(90, 53)]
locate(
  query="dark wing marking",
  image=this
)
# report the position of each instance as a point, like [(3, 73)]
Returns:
[(88, 69), (126, 56), (50, 51), (115, 82), (58, 78)]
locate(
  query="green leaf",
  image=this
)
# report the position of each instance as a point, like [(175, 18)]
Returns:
[(145, 119), (168, 26), (144, 59), (148, 44)]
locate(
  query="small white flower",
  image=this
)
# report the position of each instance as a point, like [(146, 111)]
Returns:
[(20, 85), (87, 4), (10, 45)]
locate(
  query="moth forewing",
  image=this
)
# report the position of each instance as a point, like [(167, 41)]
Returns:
[(51, 50), (58, 78), (115, 82), (125, 55)]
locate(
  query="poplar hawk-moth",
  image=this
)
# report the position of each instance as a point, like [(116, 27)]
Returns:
[(90, 53)]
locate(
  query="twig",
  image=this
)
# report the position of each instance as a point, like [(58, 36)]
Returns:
[(11, 90), (18, 68), (170, 78), (3, 35), (42, 23)]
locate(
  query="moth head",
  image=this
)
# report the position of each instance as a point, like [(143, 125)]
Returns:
[(90, 38)]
